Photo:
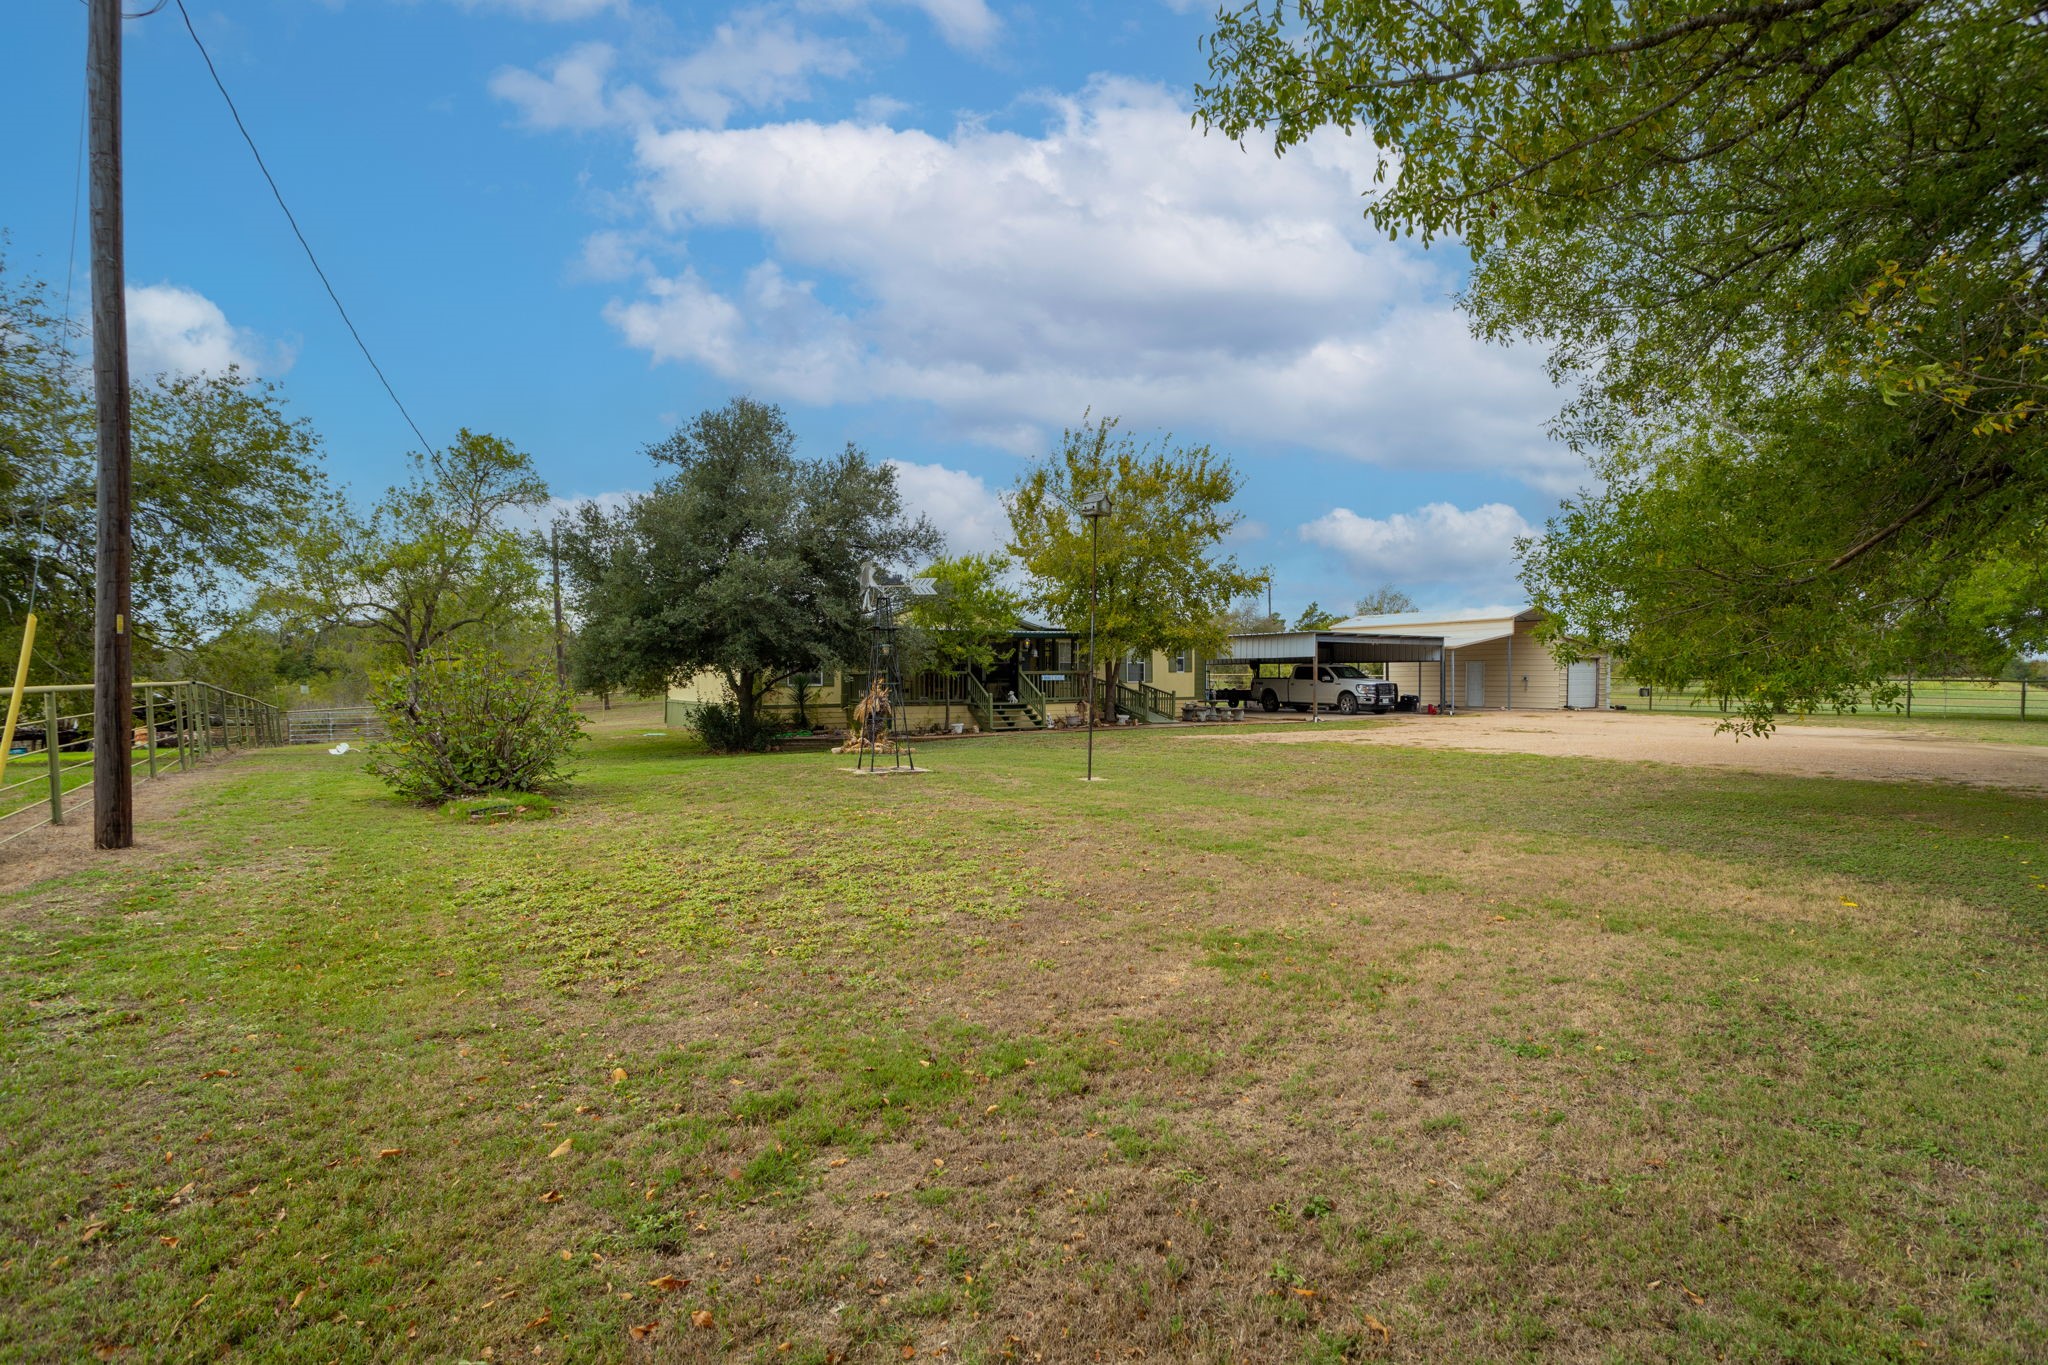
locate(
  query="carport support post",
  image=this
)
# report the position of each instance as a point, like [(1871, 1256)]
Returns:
[(149, 720), (1511, 668), (1315, 676)]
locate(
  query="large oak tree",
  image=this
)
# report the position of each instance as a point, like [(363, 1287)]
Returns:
[(743, 561)]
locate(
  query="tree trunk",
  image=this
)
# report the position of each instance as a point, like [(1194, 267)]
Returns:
[(744, 697)]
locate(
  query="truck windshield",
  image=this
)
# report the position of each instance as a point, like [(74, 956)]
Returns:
[(1349, 671)]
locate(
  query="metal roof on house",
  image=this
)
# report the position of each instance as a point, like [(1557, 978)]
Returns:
[(1331, 647)]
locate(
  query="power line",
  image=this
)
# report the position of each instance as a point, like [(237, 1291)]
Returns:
[(278, 194)]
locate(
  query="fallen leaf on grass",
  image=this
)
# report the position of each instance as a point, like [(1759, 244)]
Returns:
[(300, 1297), (642, 1332), (217, 1071), (540, 1321), (384, 1152), (567, 1143), (910, 1352), (92, 1230), (1696, 1298), (618, 1075), (551, 1197), (701, 1319), (1306, 1293), (668, 1284), (1373, 1324), (168, 1241)]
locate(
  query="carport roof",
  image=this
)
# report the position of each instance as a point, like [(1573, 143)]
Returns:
[(1457, 630), (1332, 647)]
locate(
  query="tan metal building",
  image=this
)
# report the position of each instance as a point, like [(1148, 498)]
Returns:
[(1492, 659)]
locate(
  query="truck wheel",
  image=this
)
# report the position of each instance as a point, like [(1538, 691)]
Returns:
[(1270, 701), (1348, 704)]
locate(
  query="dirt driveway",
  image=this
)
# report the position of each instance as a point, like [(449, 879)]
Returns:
[(1875, 753)]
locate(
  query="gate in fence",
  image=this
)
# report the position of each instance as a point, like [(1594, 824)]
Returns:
[(179, 725), (327, 725)]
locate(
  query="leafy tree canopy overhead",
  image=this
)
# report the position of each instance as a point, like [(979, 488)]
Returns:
[(435, 559), (1749, 234), (221, 476), (1163, 579), (743, 560), (973, 610)]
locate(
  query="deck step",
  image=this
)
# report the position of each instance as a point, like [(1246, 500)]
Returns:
[(1012, 715)]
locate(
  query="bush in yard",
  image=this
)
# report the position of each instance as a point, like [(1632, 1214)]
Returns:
[(467, 726), (725, 731)]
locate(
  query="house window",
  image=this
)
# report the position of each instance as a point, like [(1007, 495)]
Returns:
[(815, 678), (1063, 656), (1179, 662), (1137, 670)]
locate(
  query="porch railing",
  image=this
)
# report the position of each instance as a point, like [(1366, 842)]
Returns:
[(1145, 701), (1056, 686), (978, 698), (929, 687), (1034, 699)]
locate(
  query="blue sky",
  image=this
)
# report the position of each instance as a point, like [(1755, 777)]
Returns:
[(941, 229)]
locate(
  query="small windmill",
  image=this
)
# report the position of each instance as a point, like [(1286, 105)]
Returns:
[(882, 597)]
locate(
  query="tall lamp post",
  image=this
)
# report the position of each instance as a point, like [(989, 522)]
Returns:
[(1094, 508)]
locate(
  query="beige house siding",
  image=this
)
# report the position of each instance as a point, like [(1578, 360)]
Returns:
[(708, 688), (1533, 673)]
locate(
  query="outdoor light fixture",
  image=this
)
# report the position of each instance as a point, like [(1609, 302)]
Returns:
[(1093, 508)]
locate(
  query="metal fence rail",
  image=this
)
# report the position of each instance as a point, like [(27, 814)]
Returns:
[(1931, 698), (181, 723), (325, 725)]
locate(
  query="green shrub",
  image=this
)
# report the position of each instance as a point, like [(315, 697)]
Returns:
[(473, 726), (718, 724)]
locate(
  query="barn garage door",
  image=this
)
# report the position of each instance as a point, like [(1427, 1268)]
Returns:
[(1582, 686)]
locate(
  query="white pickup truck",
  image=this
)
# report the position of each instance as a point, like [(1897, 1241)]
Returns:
[(1343, 688)]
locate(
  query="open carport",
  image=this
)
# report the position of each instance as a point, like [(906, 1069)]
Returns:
[(1263, 651)]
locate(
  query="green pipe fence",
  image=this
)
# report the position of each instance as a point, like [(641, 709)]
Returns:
[(179, 724), (1926, 698)]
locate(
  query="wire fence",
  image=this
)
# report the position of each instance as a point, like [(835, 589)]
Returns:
[(326, 724), (1929, 698), (172, 726)]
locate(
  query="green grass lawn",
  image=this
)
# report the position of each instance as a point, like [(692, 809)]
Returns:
[(1252, 1052), (1982, 729)]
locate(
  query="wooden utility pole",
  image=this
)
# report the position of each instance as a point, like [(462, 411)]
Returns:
[(113, 782), (555, 567)]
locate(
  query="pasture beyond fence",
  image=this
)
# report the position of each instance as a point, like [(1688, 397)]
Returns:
[(171, 725), (1926, 698)]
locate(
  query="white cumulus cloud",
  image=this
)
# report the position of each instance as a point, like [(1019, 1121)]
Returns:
[(1117, 260), (755, 60), (175, 330), (970, 513), (1439, 543)]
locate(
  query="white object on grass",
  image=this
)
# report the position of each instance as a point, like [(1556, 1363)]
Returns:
[(340, 748)]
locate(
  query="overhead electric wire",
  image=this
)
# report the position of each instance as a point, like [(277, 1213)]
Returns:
[(278, 194)]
